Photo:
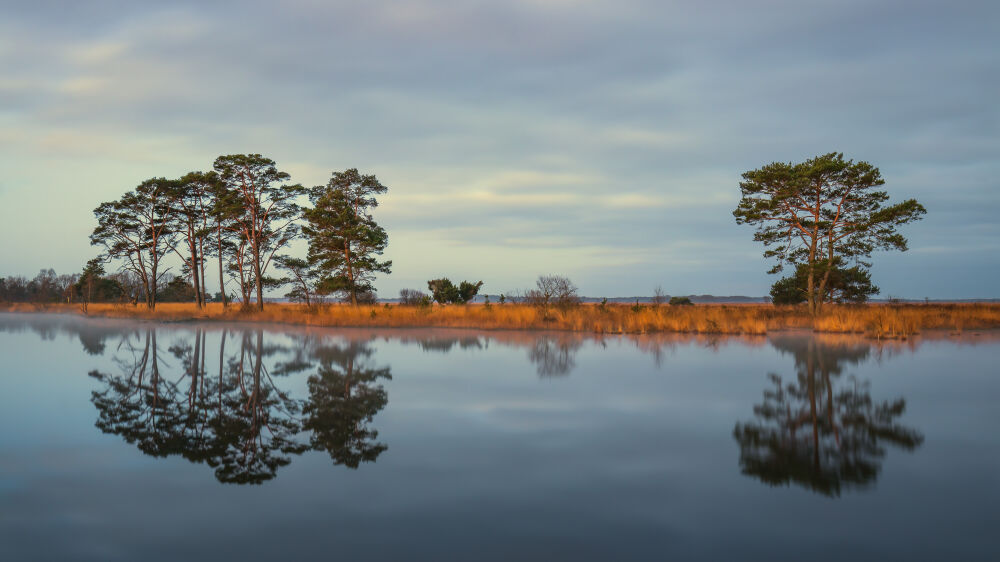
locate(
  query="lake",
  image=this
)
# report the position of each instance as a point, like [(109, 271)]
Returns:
[(138, 441)]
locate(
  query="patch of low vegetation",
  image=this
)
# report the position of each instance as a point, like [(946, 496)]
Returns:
[(878, 321)]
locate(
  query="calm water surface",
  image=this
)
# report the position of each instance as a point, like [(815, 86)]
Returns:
[(138, 441)]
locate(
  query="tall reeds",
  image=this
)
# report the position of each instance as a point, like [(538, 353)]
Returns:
[(880, 321)]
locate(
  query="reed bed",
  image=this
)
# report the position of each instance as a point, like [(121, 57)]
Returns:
[(879, 321)]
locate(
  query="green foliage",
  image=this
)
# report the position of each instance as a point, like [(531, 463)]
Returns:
[(135, 229), (445, 292), (92, 286), (468, 291), (821, 210), (344, 239), (176, 289), (680, 301), (191, 199), (845, 285), (788, 290), (301, 277), (265, 217)]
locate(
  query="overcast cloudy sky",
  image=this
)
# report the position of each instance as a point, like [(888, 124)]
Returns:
[(602, 140)]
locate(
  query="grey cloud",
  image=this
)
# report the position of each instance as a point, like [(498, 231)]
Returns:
[(640, 99)]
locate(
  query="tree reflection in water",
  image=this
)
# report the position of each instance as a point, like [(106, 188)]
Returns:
[(239, 421), (554, 356), (344, 396), (815, 434)]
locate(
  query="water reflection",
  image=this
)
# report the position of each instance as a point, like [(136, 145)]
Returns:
[(239, 421), (821, 431), (555, 356), (344, 396), (223, 396)]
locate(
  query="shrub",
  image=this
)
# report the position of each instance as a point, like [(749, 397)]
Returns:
[(680, 301), (365, 297), (659, 297), (552, 290), (445, 292), (413, 297)]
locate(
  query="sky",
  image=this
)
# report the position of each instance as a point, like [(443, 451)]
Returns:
[(600, 140)]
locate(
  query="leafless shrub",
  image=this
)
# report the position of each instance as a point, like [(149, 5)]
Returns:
[(413, 297), (552, 291), (659, 297)]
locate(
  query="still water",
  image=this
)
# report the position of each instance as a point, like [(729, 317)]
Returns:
[(137, 441)]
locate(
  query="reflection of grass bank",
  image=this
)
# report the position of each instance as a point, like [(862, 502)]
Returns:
[(883, 321)]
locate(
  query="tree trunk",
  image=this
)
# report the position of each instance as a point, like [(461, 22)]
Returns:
[(350, 274), (201, 265), (222, 279), (811, 282), (826, 278), (151, 289), (260, 277), (194, 272)]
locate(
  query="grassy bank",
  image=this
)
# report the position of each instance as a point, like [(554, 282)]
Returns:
[(881, 321)]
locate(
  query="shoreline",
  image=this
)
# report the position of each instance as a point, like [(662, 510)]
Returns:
[(881, 321)]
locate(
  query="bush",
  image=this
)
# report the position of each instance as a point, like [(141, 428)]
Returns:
[(552, 290), (364, 297), (659, 297), (845, 285), (413, 297), (787, 291), (445, 292), (680, 301)]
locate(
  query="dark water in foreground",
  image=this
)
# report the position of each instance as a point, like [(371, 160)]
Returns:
[(134, 441)]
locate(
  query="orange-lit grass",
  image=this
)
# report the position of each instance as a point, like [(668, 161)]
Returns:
[(883, 321)]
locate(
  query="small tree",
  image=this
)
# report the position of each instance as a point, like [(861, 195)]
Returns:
[(659, 297), (552, 291), (413, 297), (468, 291), (90, 277)]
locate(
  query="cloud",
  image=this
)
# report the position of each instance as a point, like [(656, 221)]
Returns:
[(538, 132)]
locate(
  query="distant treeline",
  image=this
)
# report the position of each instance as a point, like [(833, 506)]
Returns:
[(49, 287)]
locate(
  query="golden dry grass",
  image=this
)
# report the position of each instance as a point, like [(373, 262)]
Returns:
[(881, 321)]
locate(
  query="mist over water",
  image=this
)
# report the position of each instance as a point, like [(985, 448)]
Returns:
[(128, 440)]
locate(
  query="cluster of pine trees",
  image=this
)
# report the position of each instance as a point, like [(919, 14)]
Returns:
[(244, 213)]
